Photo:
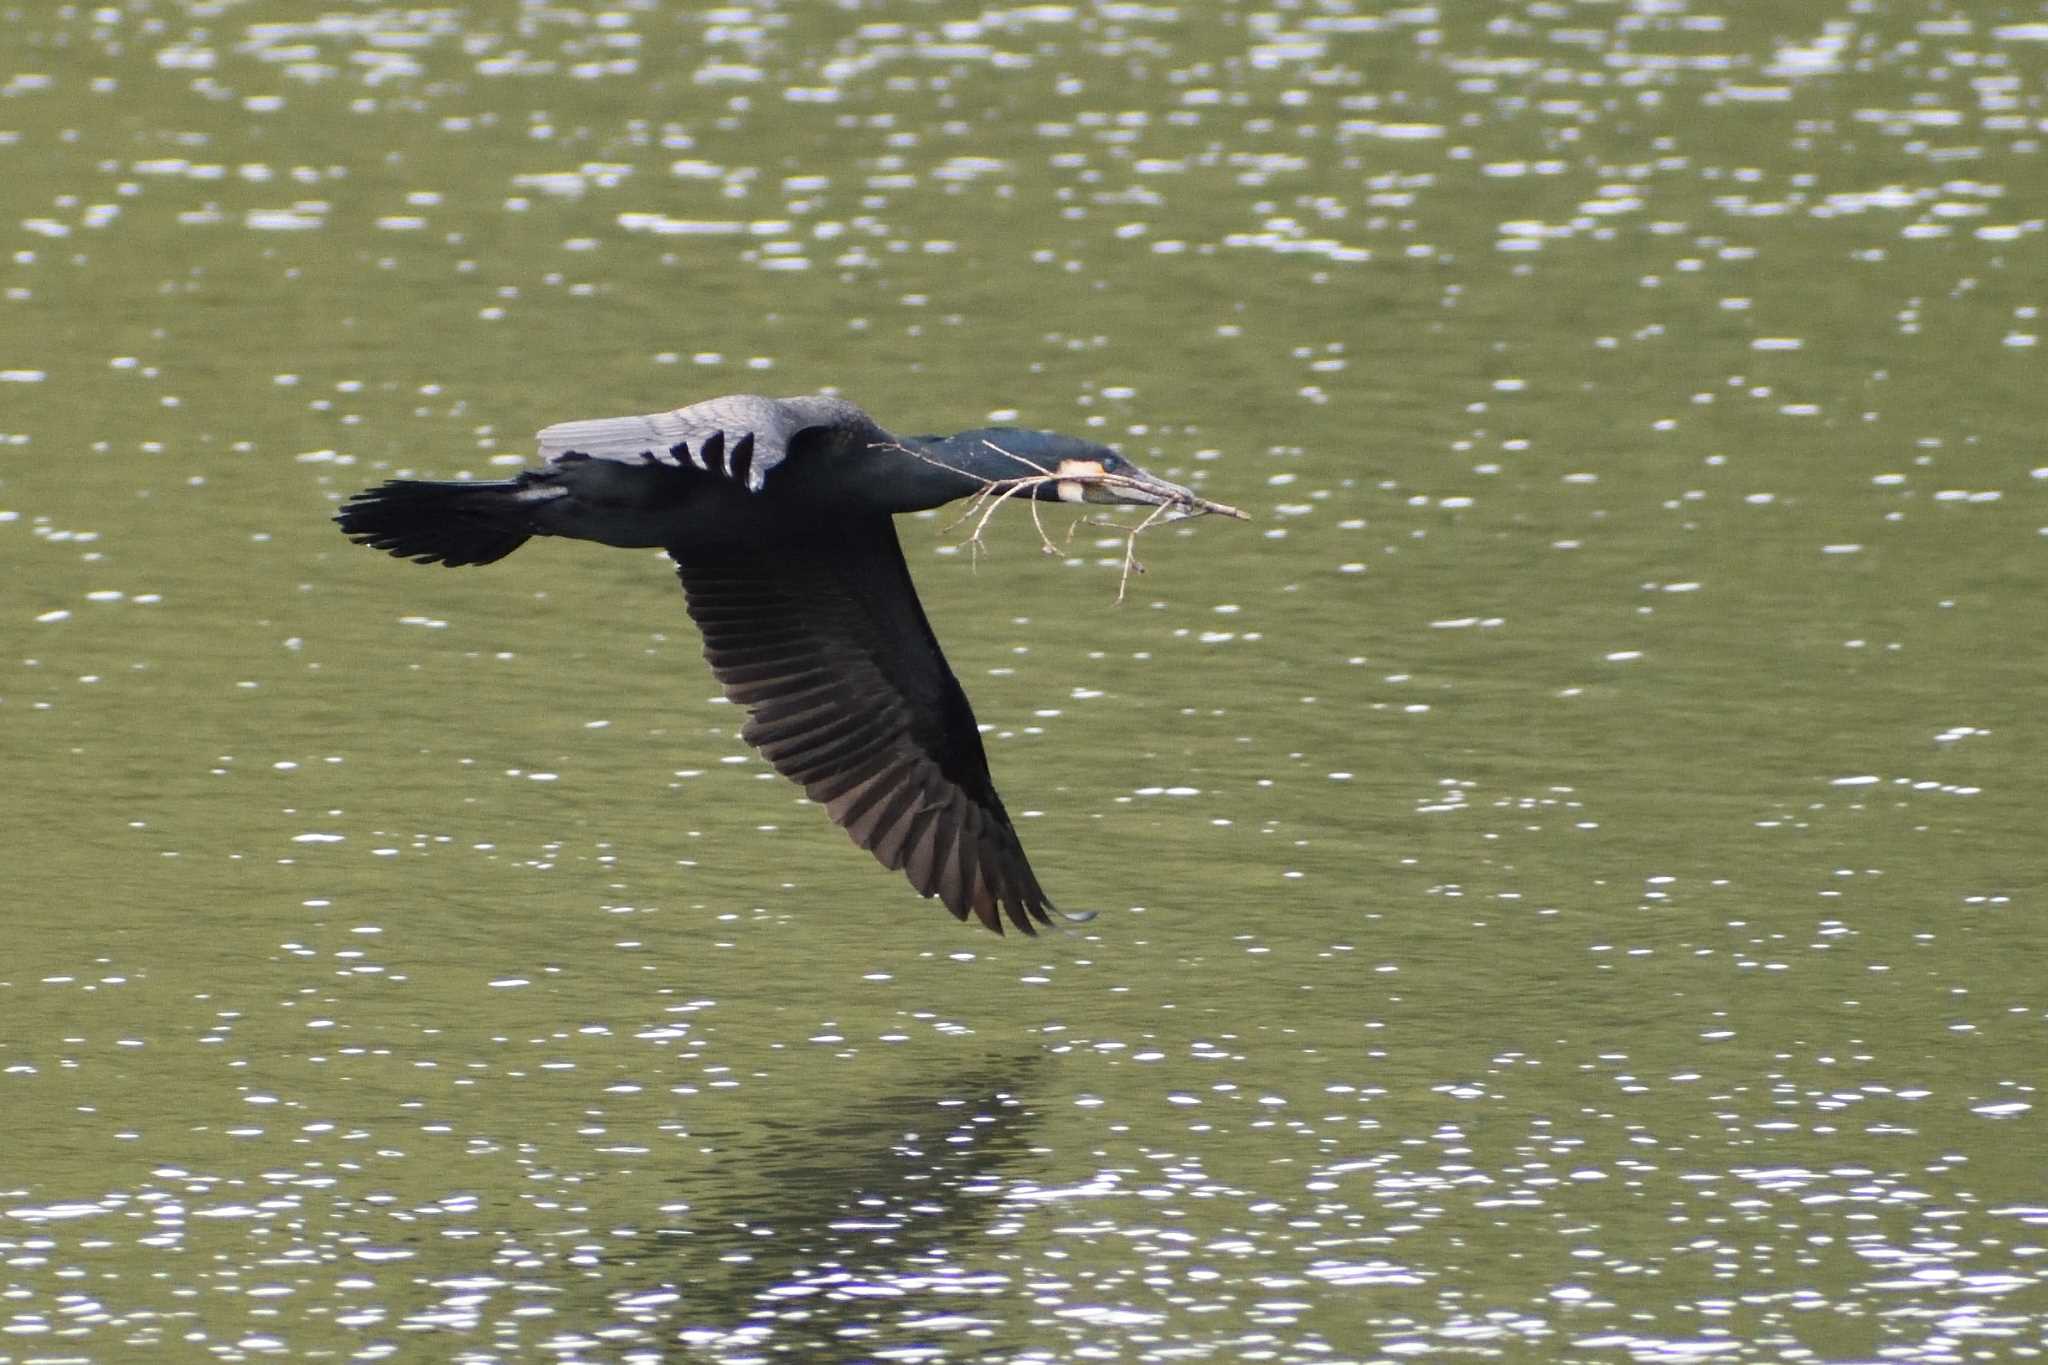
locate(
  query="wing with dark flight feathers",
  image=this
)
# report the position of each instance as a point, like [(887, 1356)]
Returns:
[(741, 436), (824, 642)]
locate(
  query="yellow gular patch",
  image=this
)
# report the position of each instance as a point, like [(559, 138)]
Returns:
[(1069, 471)]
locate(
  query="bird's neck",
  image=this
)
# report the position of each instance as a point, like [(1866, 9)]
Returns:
[(936, 470)]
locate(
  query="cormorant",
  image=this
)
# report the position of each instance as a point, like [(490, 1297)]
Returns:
[(779, 515)]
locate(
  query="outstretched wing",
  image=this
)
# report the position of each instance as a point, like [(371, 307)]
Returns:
[(823, 641), (741, 436)]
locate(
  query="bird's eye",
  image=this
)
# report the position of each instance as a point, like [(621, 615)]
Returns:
[(1111, 463)]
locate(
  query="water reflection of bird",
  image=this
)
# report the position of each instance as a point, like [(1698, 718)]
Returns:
[(779, 516)]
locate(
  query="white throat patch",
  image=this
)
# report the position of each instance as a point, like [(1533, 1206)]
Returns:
[(1069, 489)]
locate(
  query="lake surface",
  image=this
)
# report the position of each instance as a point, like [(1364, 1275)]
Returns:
[(1570, 871)]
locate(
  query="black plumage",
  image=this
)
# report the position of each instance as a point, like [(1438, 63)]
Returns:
[(779, 515)]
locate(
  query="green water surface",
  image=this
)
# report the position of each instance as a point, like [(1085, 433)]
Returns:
[(1571, 870)]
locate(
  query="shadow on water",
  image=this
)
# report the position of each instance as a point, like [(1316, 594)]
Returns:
[(866, 1225)]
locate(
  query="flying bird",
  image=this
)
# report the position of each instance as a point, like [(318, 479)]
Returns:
[(780, 516)]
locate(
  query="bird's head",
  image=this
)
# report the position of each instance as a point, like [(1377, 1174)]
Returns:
[(1053, 468)]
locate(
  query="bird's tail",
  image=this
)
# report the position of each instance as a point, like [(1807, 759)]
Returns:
[(458, 522)]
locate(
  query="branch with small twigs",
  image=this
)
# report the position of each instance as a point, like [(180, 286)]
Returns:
[(983, 505), (1130, 535), (993, 493)]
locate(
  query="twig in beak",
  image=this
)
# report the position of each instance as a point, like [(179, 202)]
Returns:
[(993, 493), (1131, 534)]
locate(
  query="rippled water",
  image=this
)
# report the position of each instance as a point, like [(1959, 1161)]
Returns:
[(1571, 869)]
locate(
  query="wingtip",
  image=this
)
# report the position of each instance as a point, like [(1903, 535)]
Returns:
[(1045, 915)]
